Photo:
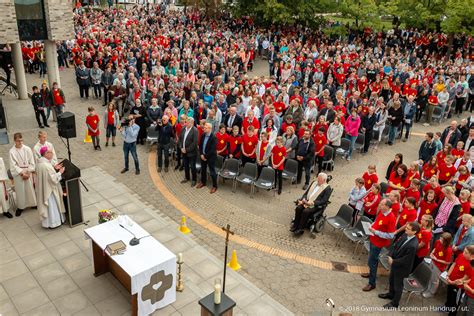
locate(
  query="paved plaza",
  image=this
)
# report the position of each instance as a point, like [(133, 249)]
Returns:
[(300, 273)]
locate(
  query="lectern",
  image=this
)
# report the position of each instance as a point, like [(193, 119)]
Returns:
[(72, 181)]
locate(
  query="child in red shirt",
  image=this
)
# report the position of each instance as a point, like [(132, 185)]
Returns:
[(446, 170), (249, 146), (320, 141), (458, 152), (222, 139), (424, 240), (234, 143), (407, 215), (413, 171), (457, 274), (414, 191), (394, 197), (371, 201), (92, 122), (442, 252), (460, 178), (427, 205), (370, 177), (278, 157), (464, 199), (430, 168)]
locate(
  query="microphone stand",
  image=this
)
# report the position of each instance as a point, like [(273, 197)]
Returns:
[(134, 241), (69, 156)]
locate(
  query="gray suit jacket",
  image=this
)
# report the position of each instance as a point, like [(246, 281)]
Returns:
[(191, 144)]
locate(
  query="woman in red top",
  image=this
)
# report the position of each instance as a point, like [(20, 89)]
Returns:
[(249, 146), (278, 161), (458, 152), (234, 143), (446, 170), (456, 275), (398, 180), (371, 201), (442, 252), (430, 168), (370, 177), (427, 205), (424, 239), (222, 138), (464, 199), (407, 215), (92, 122), (414, 191)]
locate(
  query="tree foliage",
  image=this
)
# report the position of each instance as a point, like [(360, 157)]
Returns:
[(458, 17), (364, 12)]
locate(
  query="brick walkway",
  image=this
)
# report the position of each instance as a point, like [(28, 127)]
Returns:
[(302, 288)]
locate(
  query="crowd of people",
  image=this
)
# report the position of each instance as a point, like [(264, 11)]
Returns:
[(186, 77)]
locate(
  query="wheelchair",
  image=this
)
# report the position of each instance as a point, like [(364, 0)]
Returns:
[(316, 221)]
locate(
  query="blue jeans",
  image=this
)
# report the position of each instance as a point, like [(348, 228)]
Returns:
[(132, 149), (373, 263), (392, 133), (352, 139)]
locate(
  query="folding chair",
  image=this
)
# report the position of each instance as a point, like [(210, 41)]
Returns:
[(290, 171), (357, 233), (418, 281), (344, 148), (230, 169), (436, 114), (328, 162), (360, 141), (342, 220), (266, 180), (248, 175), (152, 137)]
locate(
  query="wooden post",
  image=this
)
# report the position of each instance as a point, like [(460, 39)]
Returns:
[(227, 231)]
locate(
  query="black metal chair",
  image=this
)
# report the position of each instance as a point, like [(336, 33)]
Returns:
[(248, 175), (230, 169), (152, 136), (328, 161), (342, 220), (383, 188), (290, 171), (436, 116), (344, 148), (359, 143), (357, 234), (218, 165), (266, 180), (418, 281)]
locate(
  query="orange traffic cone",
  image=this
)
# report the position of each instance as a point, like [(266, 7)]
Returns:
[(182, 227), (234, 264), (88, 138)]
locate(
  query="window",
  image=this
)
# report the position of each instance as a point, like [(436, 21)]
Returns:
[(31, 20)]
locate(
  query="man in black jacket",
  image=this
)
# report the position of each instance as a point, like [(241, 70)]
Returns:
[(451, 134), (368, 123), (188, 144), (208, 153), (232, 119), (304, 155), (401, 260), (427, 148), (313, 200), (165, 135), (38, 106)]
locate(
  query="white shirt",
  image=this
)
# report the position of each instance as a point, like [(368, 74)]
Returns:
[(186, 132)]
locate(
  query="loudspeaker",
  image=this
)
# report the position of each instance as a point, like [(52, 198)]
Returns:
[(67, 125), (71, 171), (3, 117)]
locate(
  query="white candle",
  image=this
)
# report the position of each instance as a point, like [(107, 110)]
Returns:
[(217, 294), (180, 257)]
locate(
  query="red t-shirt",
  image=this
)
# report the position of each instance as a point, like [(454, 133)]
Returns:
[(93, 122), (442, 254), (371, 198), (246, 124), (278, 154), (471, 283), (263, 148), (396, 208), (429, 171), (465, 209), (399, 182), (249, 144), (426, 208), (384, 224), (439, 195), (413, 175), (406, 216), (446, 172), (285, 125), (414, 193), (458, 153), (320, 141), (57, 97), (369, 179), (462, 266), (424, 236), (110, 118), (463, 178), (279, 107), (234, 145), (222, 143)]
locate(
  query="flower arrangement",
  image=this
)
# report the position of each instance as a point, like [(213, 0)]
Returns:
[(106, 215)]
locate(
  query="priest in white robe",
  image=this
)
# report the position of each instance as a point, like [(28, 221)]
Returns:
[(49, 192), (3, 190), (22, 166), (42, 141)]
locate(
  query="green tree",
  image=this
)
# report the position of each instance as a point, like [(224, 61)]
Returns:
[(458, 17), (364, 12), (418, 13)]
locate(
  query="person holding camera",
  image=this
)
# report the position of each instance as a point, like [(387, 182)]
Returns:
[(165, 135), (129, 131)]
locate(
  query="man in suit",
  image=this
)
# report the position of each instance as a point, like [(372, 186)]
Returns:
[(188, 143), (401, 260), (451, 134), (232, 119), (468, 140), (208, 152), (314, 199), (305, 155)]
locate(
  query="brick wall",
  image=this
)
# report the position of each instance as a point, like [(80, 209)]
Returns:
[(59, 19), (9, 27)]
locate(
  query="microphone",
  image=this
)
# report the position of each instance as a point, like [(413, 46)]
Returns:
[(134, 241)]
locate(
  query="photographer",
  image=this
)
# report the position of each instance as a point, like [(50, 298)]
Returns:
[(165, 135), (129, 131)]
